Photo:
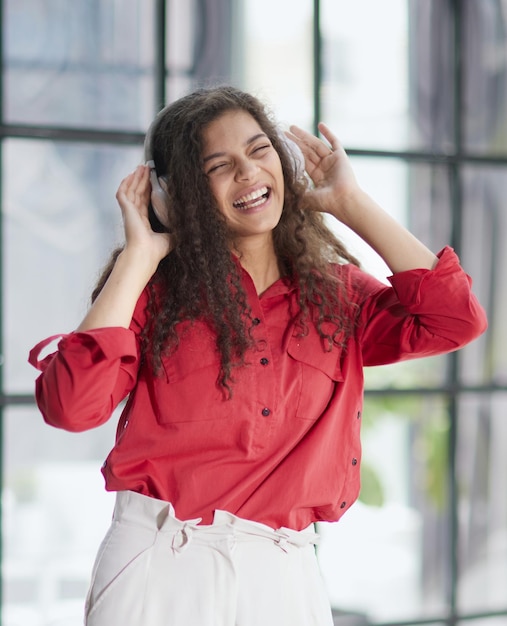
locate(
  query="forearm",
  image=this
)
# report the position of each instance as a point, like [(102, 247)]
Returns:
[(395, 244), (116, 302)]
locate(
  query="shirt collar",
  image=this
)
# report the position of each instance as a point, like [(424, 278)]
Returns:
[(282, 286)]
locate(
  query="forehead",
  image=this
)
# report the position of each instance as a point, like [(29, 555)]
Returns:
[(230, 129)]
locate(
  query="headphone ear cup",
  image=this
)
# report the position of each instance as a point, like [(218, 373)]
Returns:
[(296, 153), (160, 200)]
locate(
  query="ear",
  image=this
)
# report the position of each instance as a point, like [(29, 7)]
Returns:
[(160, 200)]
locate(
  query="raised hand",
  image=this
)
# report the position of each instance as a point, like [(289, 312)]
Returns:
[(133, 196), (337, 192), (329, 167), (137, 262)]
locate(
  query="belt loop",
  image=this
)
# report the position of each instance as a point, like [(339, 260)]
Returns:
[(181, 539)]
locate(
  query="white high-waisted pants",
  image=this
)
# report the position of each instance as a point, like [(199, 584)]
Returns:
[(155, 570)]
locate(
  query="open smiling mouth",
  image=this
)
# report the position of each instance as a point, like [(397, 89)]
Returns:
[(252, 200)]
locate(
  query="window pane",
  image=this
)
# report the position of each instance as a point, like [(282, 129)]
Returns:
[(80, 63), (55, 515), (387, 556), (485, 621), (60, 222), (386, 180), (199, 40), (485, 81), (482, 474), (381, 81), (274, 47), (418, 196), (429, 372), (484, 254), (181, 48)]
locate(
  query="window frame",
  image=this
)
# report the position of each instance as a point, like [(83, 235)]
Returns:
[(452, 388)]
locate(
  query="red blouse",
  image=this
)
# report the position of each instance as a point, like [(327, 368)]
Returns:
[(285, 450)]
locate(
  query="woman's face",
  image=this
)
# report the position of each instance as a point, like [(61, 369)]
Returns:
[(245, 175)]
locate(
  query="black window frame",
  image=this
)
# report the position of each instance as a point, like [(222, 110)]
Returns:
[(452, 388)]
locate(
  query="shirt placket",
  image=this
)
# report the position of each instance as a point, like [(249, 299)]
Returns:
[(263, 364)]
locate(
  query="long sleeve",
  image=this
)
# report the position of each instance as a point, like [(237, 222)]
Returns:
[(90, 373), (426, 312)]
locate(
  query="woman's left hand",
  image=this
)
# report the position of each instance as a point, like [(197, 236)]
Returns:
[(336, 192), (329, 168)]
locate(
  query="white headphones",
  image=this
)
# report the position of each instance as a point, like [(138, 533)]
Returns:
[(159, 196), (296, 153), (160, 200)]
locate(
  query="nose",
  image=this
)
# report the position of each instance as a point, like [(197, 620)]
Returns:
[(246, 169)]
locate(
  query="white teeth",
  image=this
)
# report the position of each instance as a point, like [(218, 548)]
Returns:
[(250, 197)]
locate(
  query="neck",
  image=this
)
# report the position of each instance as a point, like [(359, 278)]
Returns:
[(258, 258)]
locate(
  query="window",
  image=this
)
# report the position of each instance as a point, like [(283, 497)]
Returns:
[(416, 90)]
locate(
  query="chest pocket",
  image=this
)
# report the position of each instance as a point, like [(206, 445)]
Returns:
[(319, 372), (189, 391)]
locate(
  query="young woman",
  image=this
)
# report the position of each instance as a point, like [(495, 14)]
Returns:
[(238, 332)]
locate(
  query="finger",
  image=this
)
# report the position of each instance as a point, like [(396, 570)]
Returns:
[(138, 181), (329, 136), (134, 188), (313, 147), (124, 187), (141, 185), (310, 157)]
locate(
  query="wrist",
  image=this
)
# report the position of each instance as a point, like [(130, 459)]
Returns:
[(349, 205), (138, 263)]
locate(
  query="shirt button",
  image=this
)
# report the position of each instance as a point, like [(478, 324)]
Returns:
[(266, 412), (359, 415), (354, 461), (256, 321), (343, 505), (264, 361)]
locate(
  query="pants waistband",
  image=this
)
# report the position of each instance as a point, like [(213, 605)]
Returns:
[(159, 515)]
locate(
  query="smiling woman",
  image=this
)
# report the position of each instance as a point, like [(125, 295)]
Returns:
[(239, 336), (246, 180)]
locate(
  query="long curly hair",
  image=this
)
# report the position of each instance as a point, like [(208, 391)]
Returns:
[(199, 279)]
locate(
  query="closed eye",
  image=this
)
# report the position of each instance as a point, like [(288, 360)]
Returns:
[(216, 168), (263, 147)]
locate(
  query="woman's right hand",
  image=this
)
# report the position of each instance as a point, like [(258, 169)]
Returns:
[(133, 196)]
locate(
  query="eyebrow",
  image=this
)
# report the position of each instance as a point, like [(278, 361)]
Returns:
[(247, 143)]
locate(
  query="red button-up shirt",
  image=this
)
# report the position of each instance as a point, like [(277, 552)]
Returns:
[(285, 450)]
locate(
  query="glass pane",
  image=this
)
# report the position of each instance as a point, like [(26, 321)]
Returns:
[(81, 63), (386, 180), (381, 81), (428, 372), (485, 81), (60, 222), (417, 196), (485, 621), (275, 62), (55, 514), (484, 255), (387, 556), (482, 473), (181, 25), (200, 36)]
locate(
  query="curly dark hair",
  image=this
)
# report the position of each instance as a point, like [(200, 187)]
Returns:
[(199, 279)]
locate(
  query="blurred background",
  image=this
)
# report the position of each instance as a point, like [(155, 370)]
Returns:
[(417, 92)]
